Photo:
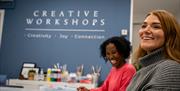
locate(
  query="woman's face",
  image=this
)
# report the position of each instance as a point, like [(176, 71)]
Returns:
[(151, 34), (113, 55)]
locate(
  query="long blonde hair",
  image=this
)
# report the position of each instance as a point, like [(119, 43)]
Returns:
[(171, 29)]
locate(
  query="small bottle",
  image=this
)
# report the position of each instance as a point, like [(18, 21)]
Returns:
[(53, 75), (48, 76), (58, 75), (41, 75)]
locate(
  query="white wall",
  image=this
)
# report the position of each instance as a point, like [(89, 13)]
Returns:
[(1, 24), (178, 15), (137, 21)]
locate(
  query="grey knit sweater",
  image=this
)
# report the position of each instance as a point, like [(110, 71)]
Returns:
[(157, 74)]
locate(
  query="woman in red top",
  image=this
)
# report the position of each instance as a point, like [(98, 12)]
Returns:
[(115, 50)]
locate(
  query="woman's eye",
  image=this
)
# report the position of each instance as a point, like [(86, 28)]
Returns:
[(143, 26), (114, 52), (156, 26)]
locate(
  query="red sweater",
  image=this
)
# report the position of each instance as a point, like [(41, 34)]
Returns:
[(117, 79)]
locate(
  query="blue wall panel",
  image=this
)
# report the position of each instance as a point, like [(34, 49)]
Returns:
[(60, 31)]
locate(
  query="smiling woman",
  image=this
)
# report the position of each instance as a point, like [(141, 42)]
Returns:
[(158, 54), (151, 34), (115, 50)]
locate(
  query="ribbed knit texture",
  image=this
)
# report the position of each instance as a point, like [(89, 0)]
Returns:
[(157, 74)]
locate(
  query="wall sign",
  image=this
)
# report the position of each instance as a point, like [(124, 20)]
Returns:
[(69, 32)]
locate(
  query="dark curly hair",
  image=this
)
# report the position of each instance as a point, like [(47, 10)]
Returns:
[(122, 44)]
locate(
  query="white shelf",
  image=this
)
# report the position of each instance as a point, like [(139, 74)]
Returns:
[(35, 85)]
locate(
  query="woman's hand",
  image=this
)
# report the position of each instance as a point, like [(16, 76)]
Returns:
[(82, 89)]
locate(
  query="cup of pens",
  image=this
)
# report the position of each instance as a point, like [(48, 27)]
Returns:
[(96, 73), (95, 78), (79, 71)]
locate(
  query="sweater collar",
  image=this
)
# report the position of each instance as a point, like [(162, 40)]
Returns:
[(153, 57)]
